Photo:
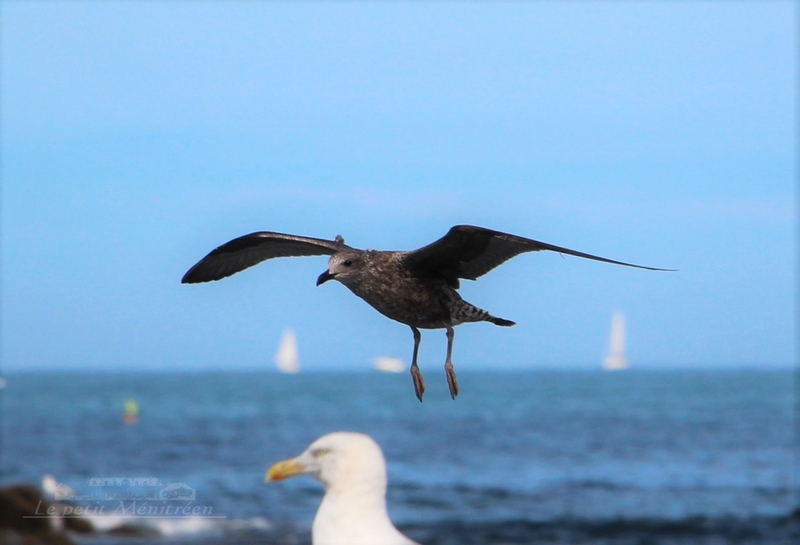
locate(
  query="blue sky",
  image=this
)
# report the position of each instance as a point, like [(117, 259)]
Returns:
[(139, 136)]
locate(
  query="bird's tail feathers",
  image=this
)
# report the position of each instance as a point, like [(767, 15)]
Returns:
[(500, 321), (467, 312)]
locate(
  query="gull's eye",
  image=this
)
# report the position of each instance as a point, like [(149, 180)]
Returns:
[(347, 263), (317, 452)]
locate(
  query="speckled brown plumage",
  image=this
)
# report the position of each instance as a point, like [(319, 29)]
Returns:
[(416, 288)]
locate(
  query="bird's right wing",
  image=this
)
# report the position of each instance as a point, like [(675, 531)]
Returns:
[(248, 250), (469, 252)]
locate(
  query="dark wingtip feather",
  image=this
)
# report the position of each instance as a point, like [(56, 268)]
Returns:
[(191, 278), (200, 273)]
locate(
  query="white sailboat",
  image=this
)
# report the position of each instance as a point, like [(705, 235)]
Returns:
[(286, 358), (616, 350), (388, 365)]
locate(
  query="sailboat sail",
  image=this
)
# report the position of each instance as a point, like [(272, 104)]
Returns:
[(616, 351), (286, 358)]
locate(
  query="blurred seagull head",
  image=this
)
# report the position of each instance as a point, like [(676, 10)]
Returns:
[(339, 457), (353, 471)]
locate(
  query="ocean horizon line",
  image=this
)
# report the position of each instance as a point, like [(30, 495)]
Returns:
[(367, 370)]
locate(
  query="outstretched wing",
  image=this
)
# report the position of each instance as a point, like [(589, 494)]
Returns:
[(470, 252), (248, 250)]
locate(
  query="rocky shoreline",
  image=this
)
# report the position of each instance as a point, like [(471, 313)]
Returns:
[(27, 517)]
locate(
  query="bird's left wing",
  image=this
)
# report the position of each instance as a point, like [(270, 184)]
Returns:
[(248, 250), (470, 252)]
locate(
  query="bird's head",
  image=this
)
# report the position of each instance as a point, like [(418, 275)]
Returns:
[(345, 267), (339, 457)]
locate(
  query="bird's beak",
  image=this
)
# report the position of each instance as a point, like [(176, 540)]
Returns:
[(284, 469), (324, 277)]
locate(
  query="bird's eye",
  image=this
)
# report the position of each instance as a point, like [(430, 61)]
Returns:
[(317, 452), (347, 263)]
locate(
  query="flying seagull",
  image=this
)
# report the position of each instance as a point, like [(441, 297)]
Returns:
[(416, 288), (353, 470)]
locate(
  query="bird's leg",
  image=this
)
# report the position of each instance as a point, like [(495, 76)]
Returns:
[(416, 374), (448, 365)]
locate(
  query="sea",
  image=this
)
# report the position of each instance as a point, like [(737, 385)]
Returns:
[(558, 457)]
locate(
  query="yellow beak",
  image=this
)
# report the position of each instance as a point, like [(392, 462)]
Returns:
[(283, 470)]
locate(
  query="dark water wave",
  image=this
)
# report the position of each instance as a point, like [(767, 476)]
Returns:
[(783, 530), (694, 531)]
